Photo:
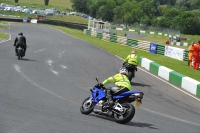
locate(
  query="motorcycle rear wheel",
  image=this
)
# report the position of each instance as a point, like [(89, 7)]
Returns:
[(87, 106), (130, 75), (127, 115)]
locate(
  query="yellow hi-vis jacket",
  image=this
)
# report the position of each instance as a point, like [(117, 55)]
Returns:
[(131, 59), (120, 80)]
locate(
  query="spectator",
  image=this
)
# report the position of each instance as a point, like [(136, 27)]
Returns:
[(196, 55), (190, 54), (167, 41)]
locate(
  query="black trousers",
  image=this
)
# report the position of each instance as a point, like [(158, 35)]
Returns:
[(114, 91)]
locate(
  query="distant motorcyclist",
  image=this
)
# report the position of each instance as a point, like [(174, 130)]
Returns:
[(20, 40), (122, 85), (131, 62)]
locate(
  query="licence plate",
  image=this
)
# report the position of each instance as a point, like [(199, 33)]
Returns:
[(138, 103)]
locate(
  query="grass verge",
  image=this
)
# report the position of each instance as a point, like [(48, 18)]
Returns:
[(122, 51), (3, 27), (3, 36), (58, 4)]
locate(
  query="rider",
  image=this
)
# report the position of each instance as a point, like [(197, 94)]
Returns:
[(122, 85), (20, 40), (131, 61)]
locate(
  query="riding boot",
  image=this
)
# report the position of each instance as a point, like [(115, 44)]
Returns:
[(109, 97)]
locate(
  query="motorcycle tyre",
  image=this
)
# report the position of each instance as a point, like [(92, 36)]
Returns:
[(127, 118), (88, 111)]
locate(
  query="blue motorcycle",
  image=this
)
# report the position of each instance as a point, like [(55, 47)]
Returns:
[(123, 111)]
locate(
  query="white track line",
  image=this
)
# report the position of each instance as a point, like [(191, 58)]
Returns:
[(40, 50), (18, 69)]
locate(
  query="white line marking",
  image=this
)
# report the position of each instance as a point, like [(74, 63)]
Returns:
[(171, 117), (64, 67), (50, 62), (40, 50), (18, 69), (55, 72), (60, 54)]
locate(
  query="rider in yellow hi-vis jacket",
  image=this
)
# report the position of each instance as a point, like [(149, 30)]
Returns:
[(122, 85), (131, 62)]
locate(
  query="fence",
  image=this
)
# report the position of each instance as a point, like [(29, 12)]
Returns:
[(52, 22), (143, 45)]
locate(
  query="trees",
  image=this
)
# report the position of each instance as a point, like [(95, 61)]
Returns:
[(178, 14)]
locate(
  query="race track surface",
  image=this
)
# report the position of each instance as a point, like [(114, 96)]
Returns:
[(43, 92)]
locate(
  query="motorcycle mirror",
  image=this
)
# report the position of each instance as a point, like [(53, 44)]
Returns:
[(97, 79)]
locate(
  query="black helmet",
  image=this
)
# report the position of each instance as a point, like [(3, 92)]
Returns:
[(20, 34), (199, 42)]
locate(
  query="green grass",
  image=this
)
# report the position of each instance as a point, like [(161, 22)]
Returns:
[(58, 4), (3, 36), (123, 51), (21, 14), (3, 27), (2, 22), (69, 18)]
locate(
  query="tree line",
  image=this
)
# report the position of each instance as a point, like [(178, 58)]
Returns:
[(183, 15)]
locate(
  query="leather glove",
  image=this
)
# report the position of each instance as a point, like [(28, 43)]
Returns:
[(136, 68), (123, 64), (14, 45), (100, 85)]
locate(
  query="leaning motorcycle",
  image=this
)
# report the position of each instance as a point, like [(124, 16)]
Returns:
[(20, 52), (123, 111), (131, 70)]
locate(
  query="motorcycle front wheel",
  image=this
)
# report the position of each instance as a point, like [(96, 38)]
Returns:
[(87, 106), (126, 115)]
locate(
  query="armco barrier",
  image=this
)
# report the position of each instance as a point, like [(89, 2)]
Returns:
[(11, 19), (61, 23), (178, 79), (52, 22)]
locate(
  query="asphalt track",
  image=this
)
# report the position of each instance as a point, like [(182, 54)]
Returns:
[(43, 92)]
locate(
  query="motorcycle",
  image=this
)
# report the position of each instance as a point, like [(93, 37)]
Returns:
[(123, 111), (131, 70), (20, 52)]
